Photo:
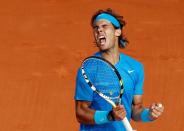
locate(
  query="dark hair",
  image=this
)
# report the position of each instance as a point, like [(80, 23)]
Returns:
[(122, 39)]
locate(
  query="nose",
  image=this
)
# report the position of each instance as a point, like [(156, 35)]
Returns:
[(100, 29)]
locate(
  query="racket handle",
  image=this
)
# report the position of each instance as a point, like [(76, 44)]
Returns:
[(125, 121), (127, 124)]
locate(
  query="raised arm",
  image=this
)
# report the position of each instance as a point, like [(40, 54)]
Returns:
[(140, 113)]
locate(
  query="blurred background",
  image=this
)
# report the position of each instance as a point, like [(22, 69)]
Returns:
[(43, 42)]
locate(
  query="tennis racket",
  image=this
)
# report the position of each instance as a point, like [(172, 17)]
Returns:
[(104, 79)]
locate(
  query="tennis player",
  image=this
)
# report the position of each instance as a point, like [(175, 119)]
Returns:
[(91, 113)]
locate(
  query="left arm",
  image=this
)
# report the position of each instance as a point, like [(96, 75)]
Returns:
[(137, 107), (139, 113)]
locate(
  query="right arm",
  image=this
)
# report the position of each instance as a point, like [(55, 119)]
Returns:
[(83, 98), (84, 113)]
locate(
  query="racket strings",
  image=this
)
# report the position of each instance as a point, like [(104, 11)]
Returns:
[(103, 77)]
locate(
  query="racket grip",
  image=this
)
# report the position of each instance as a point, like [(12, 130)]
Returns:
[(125, 121), (127, 124)]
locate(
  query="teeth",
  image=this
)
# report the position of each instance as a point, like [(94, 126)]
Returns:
[(101, 37)]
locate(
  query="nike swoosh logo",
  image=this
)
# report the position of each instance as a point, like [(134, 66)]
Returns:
[(130, 71)]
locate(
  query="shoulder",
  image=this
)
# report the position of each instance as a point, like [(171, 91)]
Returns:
[(131, 61)]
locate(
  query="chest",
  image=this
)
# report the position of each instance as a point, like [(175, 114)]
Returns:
[(129, 77)]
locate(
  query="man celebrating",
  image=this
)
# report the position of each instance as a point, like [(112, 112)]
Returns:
[(107, 30)]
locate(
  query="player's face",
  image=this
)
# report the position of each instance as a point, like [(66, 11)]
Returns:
[(105, 35)]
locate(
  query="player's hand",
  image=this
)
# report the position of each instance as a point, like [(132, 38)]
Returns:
[(118, 113), (156, 110)]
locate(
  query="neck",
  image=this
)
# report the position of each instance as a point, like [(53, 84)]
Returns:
[(111, 55)]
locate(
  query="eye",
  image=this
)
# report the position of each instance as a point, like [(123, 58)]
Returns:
[(95, 27), (104, 26)]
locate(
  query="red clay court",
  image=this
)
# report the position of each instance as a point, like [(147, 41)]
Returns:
[(43, 42)]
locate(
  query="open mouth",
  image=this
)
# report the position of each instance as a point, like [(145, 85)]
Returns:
[(101, 40)]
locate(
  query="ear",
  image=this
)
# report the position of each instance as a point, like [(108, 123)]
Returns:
[(117, 32)]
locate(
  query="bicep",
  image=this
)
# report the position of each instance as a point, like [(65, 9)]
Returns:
[(139, 81)]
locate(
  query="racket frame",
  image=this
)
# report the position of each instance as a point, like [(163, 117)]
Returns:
[(125, 120)]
